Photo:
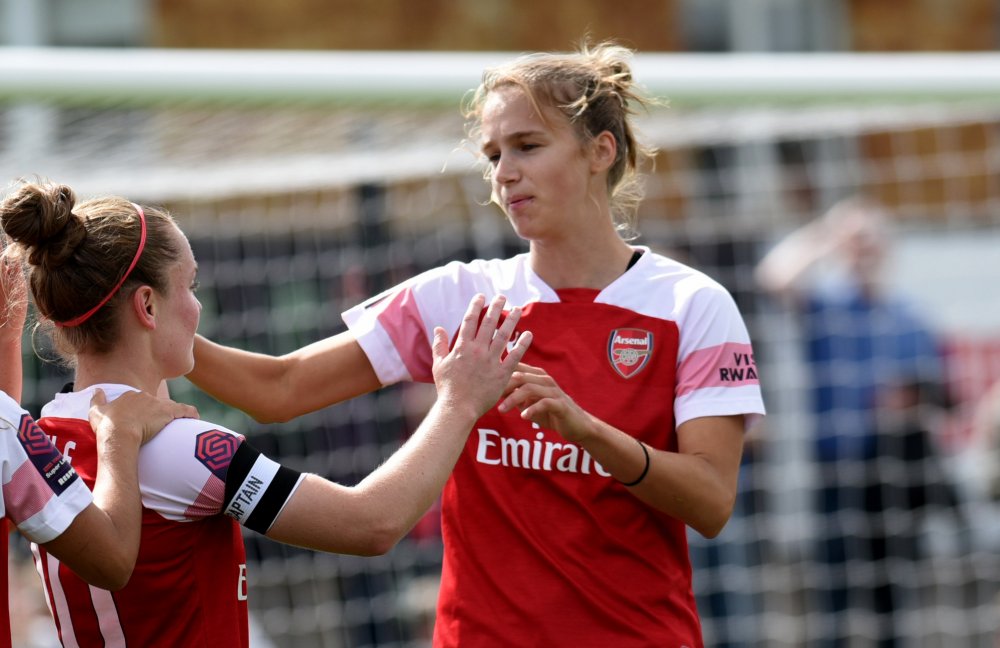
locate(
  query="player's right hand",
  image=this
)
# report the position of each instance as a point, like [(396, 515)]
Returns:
[(473, 374)]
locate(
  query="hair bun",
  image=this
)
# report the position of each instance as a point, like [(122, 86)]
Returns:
[(40, 218)]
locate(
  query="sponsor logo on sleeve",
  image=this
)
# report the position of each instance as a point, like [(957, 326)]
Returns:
[(215, 450), (742, 370), (53, 466), (629, 350)]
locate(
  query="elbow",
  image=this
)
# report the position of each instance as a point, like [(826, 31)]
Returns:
[(712, 524), (112, 578), (268, 418), (118, 582), (710, 530), (381, 540)]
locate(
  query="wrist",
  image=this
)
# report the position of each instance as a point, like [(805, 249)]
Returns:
[(645, 470), (461, 411), (113, 441)]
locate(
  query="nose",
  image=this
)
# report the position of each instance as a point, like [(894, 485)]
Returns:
[(505, 170)]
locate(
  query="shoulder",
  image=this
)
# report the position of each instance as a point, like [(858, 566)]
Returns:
[(663, 283), (195, 438)]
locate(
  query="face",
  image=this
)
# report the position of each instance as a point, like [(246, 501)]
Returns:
[(540, 175), (179, 313)]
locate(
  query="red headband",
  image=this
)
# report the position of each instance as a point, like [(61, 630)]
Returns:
[(80, 319)]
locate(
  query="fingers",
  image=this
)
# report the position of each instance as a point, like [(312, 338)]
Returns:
[(99, 398), (439, 345), (525, 368), (515, 354), (183, 410), (488, 330), (467, 330)]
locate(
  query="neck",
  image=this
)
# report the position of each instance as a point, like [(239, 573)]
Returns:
[(580, 264), (94, 369)]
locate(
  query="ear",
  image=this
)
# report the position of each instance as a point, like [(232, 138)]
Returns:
[(144, 306), (604, 149)]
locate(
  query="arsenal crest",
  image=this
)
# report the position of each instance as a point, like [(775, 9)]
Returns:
[(629, 350)]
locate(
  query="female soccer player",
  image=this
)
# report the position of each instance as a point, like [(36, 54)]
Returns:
[(564, 520), (117, 280), (96, 535)]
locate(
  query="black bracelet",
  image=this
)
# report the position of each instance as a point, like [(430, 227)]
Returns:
[(644, 470)]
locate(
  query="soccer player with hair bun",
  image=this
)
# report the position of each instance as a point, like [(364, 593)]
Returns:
[(564, 522), (95, 534), (115, 284)]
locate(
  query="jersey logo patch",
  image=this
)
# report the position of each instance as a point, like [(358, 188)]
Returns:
[(215, 450), (629, 350), (53, 466)]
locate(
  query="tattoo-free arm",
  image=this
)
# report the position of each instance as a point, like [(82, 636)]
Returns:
[(279, 388), (102, 543)]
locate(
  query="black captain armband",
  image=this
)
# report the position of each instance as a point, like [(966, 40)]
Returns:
[(257, 488)]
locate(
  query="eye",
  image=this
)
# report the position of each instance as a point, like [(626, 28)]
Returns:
[(493, 158), (195, 285)]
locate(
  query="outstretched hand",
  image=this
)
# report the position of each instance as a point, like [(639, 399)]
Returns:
[(540, 399), (474, 373), (138, 413)]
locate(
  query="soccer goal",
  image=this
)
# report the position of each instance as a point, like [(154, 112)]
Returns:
[(309, 181)]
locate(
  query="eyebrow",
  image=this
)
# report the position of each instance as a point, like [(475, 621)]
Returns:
[(513, 137)]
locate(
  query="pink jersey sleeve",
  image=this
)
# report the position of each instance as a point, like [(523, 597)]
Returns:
[(42, 494), (395, 328), (716, 371)]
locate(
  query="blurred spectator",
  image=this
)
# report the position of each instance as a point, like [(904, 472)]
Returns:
[(872, 364)]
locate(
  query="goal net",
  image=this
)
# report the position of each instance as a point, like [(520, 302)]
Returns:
[(307, 182)]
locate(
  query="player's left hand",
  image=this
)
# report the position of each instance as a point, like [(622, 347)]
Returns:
[(540, 399)]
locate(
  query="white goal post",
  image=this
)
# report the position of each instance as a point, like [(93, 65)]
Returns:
[(151, 75)]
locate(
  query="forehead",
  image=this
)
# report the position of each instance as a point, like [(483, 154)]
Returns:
[(509, 110), (185, 256)]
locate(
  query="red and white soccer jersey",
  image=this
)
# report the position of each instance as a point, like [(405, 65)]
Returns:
[(42, 494), (542, 546), (189, 586)]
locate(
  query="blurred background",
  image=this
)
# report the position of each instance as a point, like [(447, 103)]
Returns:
[(313, 153)]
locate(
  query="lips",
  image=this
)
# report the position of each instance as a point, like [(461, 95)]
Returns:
[(516, 202)]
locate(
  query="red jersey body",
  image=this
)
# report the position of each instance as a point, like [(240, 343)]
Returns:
[(189, 583), (542, 546)]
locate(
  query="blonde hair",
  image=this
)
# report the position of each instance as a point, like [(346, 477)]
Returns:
[(594, 89)]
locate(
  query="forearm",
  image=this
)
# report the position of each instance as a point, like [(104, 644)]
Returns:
[(690, 487), (785, 266), (370, 518), (116, 493), (240, 378), (273, 389), (11, 378), (405, 486), (102, 543)]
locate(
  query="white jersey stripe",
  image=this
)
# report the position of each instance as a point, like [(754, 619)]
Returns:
[(41, 575), (107, 616), (62, 607)]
